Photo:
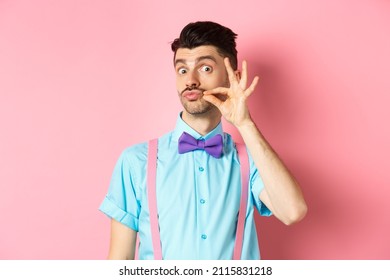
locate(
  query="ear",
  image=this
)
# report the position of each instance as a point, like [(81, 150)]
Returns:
[(238, 74)]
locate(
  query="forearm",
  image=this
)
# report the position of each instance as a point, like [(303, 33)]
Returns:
[(122, 242), (282, 193)]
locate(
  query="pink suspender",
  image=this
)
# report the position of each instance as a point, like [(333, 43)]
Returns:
[(244, 168), (152, 200)]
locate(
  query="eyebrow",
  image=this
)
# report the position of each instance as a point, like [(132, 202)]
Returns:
[(197, 59)]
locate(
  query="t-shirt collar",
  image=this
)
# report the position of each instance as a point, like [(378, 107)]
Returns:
[(182, 126)]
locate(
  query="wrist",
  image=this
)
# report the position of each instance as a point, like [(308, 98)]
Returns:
[(248, 123)]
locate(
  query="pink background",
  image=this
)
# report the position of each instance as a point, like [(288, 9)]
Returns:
[(82, 80)]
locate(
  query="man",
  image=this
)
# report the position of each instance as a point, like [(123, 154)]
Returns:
[(198, 192)]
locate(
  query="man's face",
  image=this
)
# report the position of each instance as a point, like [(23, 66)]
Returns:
[(197, 70)]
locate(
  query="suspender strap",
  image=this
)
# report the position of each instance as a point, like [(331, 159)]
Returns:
[(244, 166), (152, 200), (136, 252)]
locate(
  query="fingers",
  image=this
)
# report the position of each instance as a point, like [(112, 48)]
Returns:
[(230, 71), (244, 75), (237, 88), (252, 87), (226, 91), (213, 100), (221, 90), (243, 79)]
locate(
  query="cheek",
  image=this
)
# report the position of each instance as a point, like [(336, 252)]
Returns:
[(225, 80), (221, 81), (211, 79), (221, 78), (179, 83)]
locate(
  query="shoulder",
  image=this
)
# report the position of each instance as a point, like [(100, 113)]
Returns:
[(228, 141), (230, 146), (138, 153), (135, 152)]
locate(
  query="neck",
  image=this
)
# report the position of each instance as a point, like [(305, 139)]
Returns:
[(202, 123)]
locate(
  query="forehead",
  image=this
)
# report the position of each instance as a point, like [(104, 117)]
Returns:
[(193, 55)]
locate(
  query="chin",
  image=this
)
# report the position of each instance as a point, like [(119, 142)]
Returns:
[(198, 108)]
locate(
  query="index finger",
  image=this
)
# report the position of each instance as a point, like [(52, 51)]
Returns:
[(244, 75), (230, 71)]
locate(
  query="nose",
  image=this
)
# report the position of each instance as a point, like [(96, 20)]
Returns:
[(192, 80)]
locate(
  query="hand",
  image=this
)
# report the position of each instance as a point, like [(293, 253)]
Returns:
[(233, 105)]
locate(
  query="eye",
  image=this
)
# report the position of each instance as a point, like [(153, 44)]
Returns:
[(206, 68), (181, 71)]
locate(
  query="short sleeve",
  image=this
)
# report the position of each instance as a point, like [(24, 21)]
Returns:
[(121, 201), (257, 186)]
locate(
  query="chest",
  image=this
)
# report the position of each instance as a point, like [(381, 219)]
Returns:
[(193, 181)]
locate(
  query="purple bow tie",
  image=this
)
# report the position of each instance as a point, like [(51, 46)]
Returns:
[(212, 146)]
